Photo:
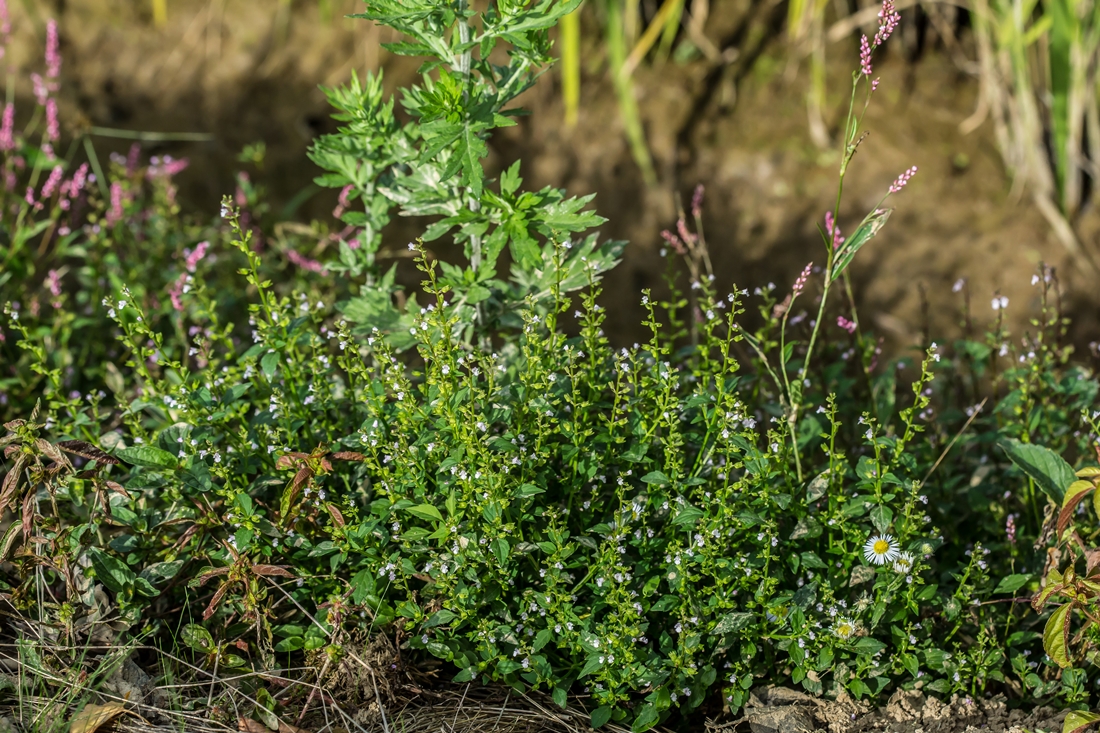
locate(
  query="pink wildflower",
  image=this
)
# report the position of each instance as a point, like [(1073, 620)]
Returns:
[(342, 202), (903, 179), (50, 186), (304, 262), (674, 241), (53, 282), (874, 85), (888, 19), (53, 129), (697, 202), (79, 178), (800, 283), (193, 258), (865, 56), (41, 89), (847, 325), (1010, 528), (688, 237), (7, 128), (53, 55), (833, 229), (176, 291), (132, 159), (115, 213)]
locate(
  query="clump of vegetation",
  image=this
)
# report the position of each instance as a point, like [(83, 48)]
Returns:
[(286, 460)]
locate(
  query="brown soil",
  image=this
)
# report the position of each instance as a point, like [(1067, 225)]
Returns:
[(246, 71)]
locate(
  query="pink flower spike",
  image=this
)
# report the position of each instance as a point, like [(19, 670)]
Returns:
[(864, 56), (833, 229), (41, 90), (874, 85), (115, 214), (888, 19), (51, 183), (800, 283), (53, 282), (903, 179), (193, 258), (697, 202), (847, 325), (53, 129), (53, 54), (7, 129)]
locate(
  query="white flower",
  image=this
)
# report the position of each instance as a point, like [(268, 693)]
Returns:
[(881, 549), (904, 563), (844, 628), (1000, 303)]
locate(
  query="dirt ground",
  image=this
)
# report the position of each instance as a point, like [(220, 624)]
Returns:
[(244, 71)]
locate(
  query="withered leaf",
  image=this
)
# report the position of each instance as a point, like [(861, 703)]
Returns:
[(248, 725), (51, 451), (272, 570), (28, 514), (337, 517), (93, 717), (349, 455), (87, 450), (11, 482)]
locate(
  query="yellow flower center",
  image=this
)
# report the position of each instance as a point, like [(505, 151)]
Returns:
[(881, 547), (844, 630)]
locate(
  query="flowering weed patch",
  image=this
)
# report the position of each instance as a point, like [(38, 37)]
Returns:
[(656, 528)]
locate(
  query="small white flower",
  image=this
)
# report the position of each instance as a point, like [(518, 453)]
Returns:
[(904, 563), (880, 549), (844, 628)]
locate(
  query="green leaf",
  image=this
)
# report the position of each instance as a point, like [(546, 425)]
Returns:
[(147, 456), (197, 638), (600, 716), (290, 644), (528, 490), (1078, 720), (110, 571), (426, 511), (268, 363), (1043, 465), (593, 664), (687, 516), (647, 718), (440, 617), (866, 231), (1012, 583), (882, 517), (561, 697), (266, 709), (656, 477), (500, 548), (734, 621), (1056, 635)]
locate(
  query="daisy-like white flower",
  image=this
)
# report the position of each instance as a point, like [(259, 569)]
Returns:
[(904, 563), (881, 549), (844, 628)]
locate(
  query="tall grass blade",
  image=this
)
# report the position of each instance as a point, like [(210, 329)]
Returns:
[(570, 40), (624, 89)]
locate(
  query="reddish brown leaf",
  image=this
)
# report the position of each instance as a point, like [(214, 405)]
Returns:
[(272, 570), (304, 474), (337, 517), (28, 514), (326, 464), (241, 644), (248, 725), (11, 450), (11, 482), (51, 451), (349, 455), (217, 599), (212, 573), (87, 450), (20, 423), (117, 488), (1092, 559)]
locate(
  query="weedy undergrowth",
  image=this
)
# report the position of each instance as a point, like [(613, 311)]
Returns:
[(291, 461)]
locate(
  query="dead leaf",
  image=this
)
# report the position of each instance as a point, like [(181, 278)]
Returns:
[(92, 717), (248, 725), (288, 728), (272, 570), (87, 450)]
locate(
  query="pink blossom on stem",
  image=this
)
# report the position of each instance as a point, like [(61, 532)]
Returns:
[(697, 201), (51, 184), (193, 258), (874, 85), (888, 19), (175, 292), (342, 202), (7, 129), (847, 325), (1010, 528), (79, 179), (304, 262), (53, 128), (114, 215), (41, 89), (685, 235), (53, 54), (53, 282), (132, 159), (865, 56), (903, 179), (800, 283), (833, 229), (29, 197), (674, 242)]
